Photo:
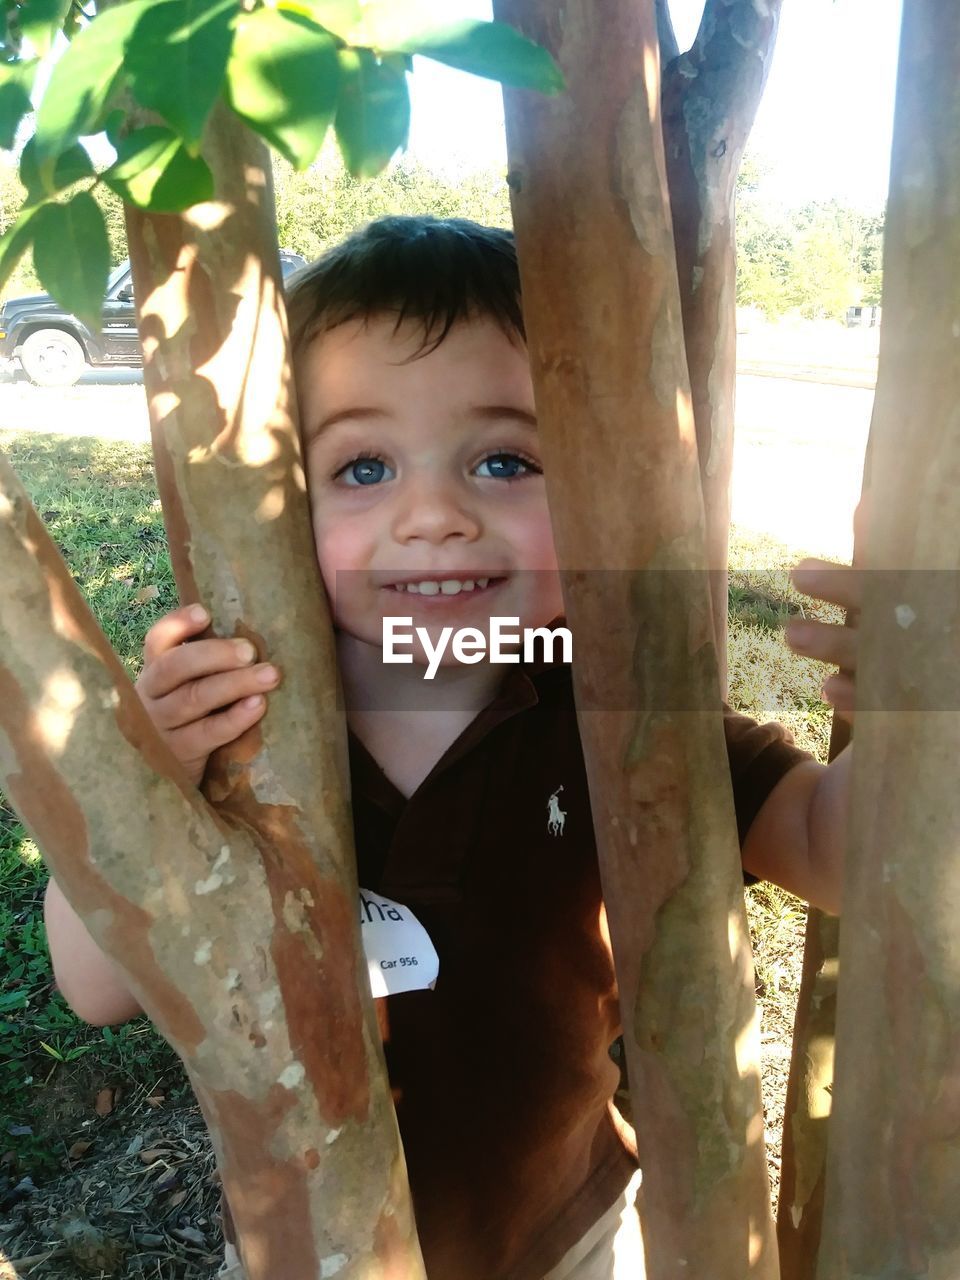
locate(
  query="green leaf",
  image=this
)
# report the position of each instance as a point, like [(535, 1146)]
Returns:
[(373, 112), (177, 59), (16, 240), (72, 166), (40, 20), (16, 80), (82, 82), (71, 254), (155, 171), (490, 49), (283, 79), (113, 126), (344, 18)]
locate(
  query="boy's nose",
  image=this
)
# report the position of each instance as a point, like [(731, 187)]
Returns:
[(434, 511)]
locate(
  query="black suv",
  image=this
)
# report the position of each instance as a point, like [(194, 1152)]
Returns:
[(55, 348)]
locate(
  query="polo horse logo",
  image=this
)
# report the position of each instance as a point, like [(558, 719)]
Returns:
[(556, 816)]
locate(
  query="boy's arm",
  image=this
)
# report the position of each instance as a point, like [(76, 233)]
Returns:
[(89, 981), (798, 838)]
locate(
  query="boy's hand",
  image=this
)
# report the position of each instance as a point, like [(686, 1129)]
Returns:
[(828, 641), (200, 695), (840, 584)]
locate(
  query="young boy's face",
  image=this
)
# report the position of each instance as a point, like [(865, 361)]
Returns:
[(425, 477)]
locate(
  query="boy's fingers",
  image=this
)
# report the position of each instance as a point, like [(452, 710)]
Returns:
[(196, 741), (177, 667), (824, 580), (172, 629), (197, 699), (839, 692), (824, 641)]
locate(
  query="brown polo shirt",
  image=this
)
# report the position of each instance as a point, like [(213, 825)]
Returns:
[(502, 1075)]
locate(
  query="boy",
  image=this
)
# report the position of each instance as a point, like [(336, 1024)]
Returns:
[(428, 502)]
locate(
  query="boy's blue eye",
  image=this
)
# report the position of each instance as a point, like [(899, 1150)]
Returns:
[(504, 466), (364, 471)]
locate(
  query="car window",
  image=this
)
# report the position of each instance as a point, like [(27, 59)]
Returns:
[(125, 282)]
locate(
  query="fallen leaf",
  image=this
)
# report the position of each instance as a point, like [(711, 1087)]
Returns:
[(135, 1145), (152, 1154), (190, 1235), (104, 1103), (92, 1249), (127, 582), (178, 1197), (146, 594), (79, 1149), (156, 1100)]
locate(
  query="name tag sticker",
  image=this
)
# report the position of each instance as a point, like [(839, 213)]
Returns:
[(400, 955)]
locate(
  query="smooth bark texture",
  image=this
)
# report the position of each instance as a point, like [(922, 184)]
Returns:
[(710, 99), (808, 1102), (235, 917), (893, 1177), (603, 320)]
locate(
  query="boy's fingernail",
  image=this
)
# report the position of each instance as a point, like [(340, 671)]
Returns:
[(252, 702), (198, 614), (267, 675), (245, 651)]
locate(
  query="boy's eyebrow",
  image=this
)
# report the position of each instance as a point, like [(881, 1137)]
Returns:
[(358, 414), (493, 412), (509, 411)]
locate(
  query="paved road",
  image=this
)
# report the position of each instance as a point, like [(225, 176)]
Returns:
[(798, 461)]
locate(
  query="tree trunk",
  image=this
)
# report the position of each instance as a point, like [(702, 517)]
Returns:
[(808, 1102), (235, 918), (710, 98), (810, 1088), (893, 1176), (602, 309)]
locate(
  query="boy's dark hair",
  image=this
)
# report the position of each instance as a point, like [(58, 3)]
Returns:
[(434, 270)]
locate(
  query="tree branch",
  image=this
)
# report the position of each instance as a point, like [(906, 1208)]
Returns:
[(603, 316), (710, 97), (667, 36)]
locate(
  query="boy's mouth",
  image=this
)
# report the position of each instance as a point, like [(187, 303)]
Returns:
[(444, 587)]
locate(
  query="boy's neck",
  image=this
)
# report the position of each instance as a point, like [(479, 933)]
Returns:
[(370, 685), (405, 721)]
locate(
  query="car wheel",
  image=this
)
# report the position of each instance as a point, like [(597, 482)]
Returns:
[(52, 358)]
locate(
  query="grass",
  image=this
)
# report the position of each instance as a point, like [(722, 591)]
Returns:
[(100, 505)]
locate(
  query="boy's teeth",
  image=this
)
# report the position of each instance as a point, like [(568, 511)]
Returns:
[(445, 586)]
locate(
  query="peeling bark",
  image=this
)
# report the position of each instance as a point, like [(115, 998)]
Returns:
[(710, 99), (893, 1174), (603, 319), (234, 917)]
